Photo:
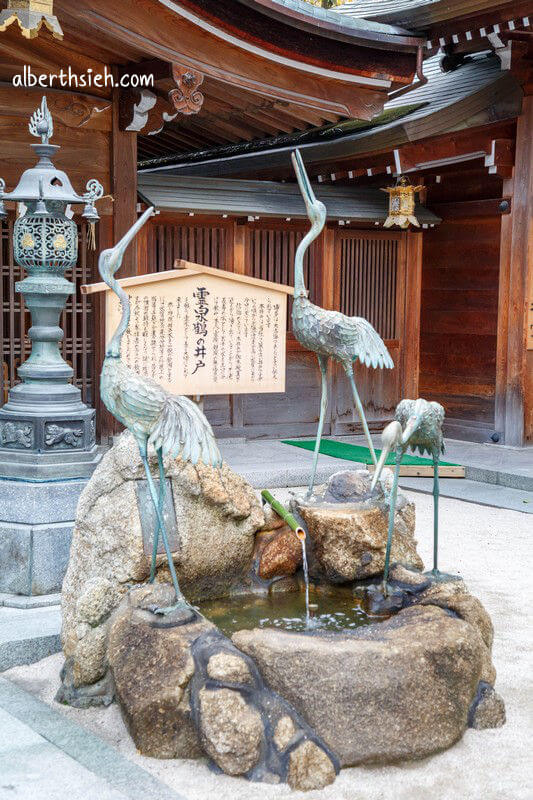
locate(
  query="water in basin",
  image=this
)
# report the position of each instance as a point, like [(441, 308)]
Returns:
[(335, 610)]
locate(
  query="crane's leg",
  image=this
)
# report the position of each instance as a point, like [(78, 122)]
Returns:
[(161, 503), (349, 371), (392, 512), (323, 363), (435, 573), (435, 513), (181, 603)]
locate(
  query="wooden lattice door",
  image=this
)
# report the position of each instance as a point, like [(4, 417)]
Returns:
[(371, 284)]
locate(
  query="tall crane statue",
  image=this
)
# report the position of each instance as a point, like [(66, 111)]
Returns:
[(173, 424), (417, 425), (330, 334)]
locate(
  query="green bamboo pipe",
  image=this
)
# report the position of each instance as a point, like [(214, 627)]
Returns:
[(285, 515)]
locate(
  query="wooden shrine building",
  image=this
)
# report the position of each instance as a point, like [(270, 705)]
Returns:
[(438, 91)]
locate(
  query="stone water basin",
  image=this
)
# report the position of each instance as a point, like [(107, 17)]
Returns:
[(374, 689), (335, 610)]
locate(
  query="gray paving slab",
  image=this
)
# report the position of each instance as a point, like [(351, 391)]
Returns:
[(485, 494), (29, 601), (276, 465), (31, 767), (270, 463), (27, 635), (47, 756), (485, 462)]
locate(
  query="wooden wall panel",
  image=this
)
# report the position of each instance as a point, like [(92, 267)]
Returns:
[(459, 318), (201, 243)]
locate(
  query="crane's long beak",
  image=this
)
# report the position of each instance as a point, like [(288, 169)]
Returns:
[(379, 466), (412, 424), (303, 179), (117, 252)]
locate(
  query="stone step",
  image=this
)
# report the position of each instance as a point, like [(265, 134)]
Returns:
[(28, 634)]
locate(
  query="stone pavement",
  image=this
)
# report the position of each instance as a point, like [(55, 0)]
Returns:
[(44, 756), (495, 475)]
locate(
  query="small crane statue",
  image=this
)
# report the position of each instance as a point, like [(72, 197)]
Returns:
[(173, 424), (417, 425), (330, 334)]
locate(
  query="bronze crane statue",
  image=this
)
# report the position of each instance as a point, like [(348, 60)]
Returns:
[(417, 425), (330, 334), (173, 424)]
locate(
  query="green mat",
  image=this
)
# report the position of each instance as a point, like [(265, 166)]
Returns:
[(355, 452)]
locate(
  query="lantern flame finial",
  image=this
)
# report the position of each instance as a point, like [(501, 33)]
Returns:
[(41, 123)]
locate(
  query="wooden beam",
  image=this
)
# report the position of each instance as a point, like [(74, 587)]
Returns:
[(411, 326), (124, 184), (514, 385), (473, 208)]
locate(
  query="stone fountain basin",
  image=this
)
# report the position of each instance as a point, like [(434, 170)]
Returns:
[(397, 689)]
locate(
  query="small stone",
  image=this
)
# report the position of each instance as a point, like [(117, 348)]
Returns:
[(282, 555), (488, 708), (309, 768), (231, 731), (228, 668), (285, 730), (348, 486), (409, 577), (348, 539)]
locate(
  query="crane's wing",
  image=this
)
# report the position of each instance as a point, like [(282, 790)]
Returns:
[(363, 342), (138, 400), (182, 430)]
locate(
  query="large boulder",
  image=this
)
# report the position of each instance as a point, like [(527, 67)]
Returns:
[(348, 524), (213, 515), (398, 689), (151, 664)]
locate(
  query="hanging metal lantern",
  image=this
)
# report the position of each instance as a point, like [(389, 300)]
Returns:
[(402, 204), (31, 15), (45, 239)]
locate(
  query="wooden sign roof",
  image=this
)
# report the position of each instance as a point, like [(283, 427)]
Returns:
[(184, 270)]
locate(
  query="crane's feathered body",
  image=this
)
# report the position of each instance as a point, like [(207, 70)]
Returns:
[(334, 335), (417, 425), (330, 334), (428, 435), (172, 423)]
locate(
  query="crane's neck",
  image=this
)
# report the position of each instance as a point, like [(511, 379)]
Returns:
[(113, 348), (310, 236)]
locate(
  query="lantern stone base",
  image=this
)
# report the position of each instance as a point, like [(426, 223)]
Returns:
[(47, 433), (36, 524)]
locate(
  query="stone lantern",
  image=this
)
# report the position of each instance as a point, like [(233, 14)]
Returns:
[(45, 429), (47, 434)]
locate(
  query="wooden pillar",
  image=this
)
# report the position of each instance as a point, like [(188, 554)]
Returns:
[(240, 231), (411, 317), (124, 185), (514, 364)]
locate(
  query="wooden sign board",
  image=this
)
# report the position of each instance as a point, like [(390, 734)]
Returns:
[(198, 330)]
